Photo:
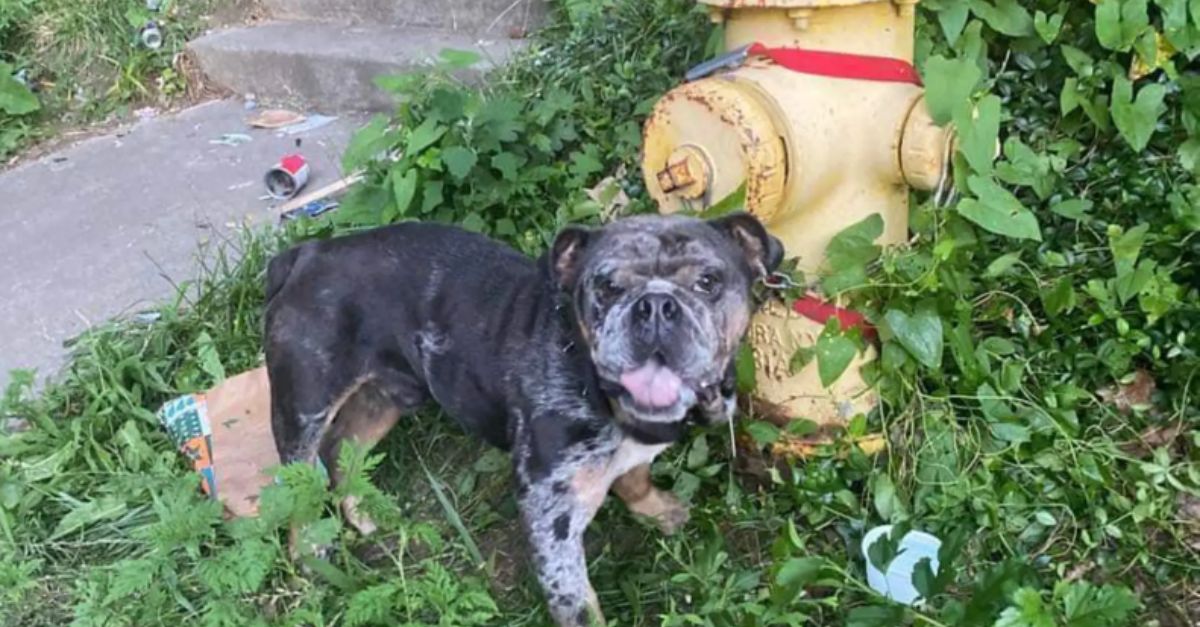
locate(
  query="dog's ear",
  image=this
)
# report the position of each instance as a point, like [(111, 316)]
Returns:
[(566, 255), (763, 251)]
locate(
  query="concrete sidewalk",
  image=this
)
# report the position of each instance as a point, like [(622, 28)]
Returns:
[(104, 227)]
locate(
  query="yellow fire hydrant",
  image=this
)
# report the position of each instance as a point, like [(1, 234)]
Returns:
[(816, 110)]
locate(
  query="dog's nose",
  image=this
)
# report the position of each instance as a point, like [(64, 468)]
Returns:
[(656, 308)]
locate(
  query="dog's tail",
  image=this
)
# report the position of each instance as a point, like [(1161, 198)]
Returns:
[(279, 269)]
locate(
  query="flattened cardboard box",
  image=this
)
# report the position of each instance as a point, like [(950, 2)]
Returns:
[(226, 433)]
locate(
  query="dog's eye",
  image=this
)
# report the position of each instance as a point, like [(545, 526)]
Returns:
[(606, 287), (707, 283)]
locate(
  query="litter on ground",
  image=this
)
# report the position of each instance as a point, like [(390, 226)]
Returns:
[(232, 139), (275, 118), (312, 123)]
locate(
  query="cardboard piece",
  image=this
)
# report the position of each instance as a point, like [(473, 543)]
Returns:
[(226, 432)]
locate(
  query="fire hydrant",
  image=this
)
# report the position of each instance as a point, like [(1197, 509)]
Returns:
[(816, 110)]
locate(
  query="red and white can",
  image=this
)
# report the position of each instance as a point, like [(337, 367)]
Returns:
[(288, 177)]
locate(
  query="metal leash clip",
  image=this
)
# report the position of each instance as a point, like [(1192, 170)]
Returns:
[(728, 61), (945, 192)]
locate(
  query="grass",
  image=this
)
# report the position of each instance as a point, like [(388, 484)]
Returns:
[(1029, 437), (84, 62), (95, 456)]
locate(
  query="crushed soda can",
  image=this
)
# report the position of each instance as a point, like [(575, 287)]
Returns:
[(287, 178)]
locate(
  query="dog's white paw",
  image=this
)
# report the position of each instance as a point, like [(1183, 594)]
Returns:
[(664, 508)]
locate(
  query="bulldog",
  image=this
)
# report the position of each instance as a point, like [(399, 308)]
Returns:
[(585, 364)]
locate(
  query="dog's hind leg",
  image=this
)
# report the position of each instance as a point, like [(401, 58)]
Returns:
[(303, 402), (364, 418)]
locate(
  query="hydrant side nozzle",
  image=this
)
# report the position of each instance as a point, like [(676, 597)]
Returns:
[(705, 139), (925, 148)]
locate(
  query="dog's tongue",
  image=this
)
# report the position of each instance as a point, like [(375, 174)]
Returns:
[(652, 385)]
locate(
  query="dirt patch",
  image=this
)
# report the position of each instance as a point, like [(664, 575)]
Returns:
[(504, 548)]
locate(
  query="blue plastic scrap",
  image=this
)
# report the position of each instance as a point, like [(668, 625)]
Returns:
[(311, 210)]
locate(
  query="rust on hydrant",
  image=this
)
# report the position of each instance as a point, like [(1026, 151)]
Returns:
[(815, 153)]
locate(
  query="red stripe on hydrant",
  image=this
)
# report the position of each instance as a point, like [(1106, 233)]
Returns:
[(820, 311), (840, 64)]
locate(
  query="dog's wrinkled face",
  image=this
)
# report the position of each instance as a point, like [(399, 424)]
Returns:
[(663, 302)]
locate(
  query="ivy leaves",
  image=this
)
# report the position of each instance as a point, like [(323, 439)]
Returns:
[(459, 160), (849, 252), (920, 333), (998, 210), (846, 258), (951, 84), (424, 136), (1047, 26), (515, 160), (1122, 26), (1135, 119), (15, 97), (835, 351), (978, 129), (1005, 16), (404, 187), (1119, 23), (948, 84)]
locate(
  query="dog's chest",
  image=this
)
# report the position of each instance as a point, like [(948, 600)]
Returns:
[(592, 481)]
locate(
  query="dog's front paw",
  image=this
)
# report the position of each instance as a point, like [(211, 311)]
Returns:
[(357, 518), (674, 514), (664, 508)]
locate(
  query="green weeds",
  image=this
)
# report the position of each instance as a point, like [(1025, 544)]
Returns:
[(66, 63), (1036, 369)]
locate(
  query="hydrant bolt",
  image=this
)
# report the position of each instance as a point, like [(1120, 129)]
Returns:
[(686, 174), (905, 8), (800, 18)]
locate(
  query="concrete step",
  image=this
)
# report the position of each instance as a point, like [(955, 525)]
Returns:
[(331, 66), (495, 18)]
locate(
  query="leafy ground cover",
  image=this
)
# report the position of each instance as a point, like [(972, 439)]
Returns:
[(1037, 360), (68, 63)]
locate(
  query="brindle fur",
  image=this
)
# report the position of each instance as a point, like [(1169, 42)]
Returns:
[(364, 329)]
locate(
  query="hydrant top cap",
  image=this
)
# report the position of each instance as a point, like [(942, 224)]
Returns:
[(791, 4)]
